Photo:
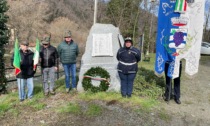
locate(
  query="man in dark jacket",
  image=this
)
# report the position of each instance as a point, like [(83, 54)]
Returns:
[(128, 57), (168, 90), (49, 63), (25, 77), (68, 51)]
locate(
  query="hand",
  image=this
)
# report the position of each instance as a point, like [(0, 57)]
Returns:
[(56, 68)]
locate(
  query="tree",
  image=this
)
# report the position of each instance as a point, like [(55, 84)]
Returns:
[(3, 40), (125, 15), (206, 25)]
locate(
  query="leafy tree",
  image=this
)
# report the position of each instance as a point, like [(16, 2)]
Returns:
[(125, 15), (3, 40)]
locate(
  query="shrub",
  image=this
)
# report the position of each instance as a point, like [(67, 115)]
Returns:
[(148, 84)]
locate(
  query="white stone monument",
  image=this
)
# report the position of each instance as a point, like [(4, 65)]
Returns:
[(102, 45)]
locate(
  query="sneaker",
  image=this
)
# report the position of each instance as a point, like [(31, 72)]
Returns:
[(21, 100), (46, 93), (67, 90), (74, 89), (52, 92)]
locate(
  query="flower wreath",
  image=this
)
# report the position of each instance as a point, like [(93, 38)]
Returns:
[(92, 73)]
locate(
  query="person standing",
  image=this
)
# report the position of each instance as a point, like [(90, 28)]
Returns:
[(168, 89), (68, 51), (25, 77), (128, 57), (49, 65)]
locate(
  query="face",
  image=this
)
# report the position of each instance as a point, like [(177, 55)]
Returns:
[(68, 39), (45, 45), (24, 47), (128, 44)]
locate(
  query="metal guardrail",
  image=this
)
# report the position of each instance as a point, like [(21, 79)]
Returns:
[(39, 75)]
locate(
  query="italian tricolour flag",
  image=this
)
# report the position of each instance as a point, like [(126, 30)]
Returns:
[(181, 6), (36, 54), (17, 59)]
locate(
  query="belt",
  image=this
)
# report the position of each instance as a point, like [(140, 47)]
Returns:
[(127, 64)]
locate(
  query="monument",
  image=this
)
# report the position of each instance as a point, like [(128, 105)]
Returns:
[(102, 45)]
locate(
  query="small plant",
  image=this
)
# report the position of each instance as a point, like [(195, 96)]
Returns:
[(93, 110), (4, 107), (148, 84)]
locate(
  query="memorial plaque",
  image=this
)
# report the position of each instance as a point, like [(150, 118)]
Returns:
[(102, 45)]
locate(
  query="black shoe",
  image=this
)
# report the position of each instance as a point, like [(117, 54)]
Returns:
[(166, 99), (177, 101), (124, 96), (128, 96), (21, 100)]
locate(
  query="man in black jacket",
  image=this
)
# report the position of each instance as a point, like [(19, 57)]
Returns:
[(49, 63), (25, 77)]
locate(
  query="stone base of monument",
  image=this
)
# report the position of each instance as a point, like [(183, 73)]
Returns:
[(102, 45)]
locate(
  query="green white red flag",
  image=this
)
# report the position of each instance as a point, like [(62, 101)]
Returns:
[(181, 6), (17, 59), (36, 54)]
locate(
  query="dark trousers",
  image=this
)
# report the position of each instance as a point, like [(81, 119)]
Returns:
[(127, 83), (176, 83)]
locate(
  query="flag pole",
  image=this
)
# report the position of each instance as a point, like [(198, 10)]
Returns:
[(169, 94), (95, 12)]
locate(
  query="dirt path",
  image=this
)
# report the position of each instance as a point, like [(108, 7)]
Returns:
[(195, 97)]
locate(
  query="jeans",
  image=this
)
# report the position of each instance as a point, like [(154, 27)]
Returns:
[(70, 69), (21, 87), (126, 83), (48, 73)]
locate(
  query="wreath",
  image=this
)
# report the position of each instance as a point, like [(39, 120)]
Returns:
[(98, 74)]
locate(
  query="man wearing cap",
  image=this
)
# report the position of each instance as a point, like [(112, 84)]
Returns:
[(25, 77), (128, 57), (49, 63), (68, 51)]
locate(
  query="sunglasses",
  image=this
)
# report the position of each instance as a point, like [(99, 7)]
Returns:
[(45, 44)]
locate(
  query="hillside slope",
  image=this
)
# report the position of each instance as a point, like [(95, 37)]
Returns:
[(36, 17)]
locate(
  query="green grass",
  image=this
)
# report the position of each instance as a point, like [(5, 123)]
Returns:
[(7, 101), (164, 115), (148, 65), (93, 110), (72, 108), (110, 96)]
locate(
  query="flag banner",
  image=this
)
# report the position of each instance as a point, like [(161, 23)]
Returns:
[(36, 54), (179, 37), (181, 6), (17, 58)]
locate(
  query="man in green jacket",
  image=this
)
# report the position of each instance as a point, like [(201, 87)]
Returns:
[(68, 51)]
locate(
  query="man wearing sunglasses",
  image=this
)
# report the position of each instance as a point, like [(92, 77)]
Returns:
[(49, 63)]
